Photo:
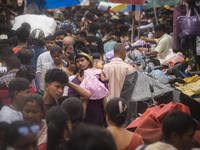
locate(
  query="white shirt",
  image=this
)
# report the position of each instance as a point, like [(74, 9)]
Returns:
[(43, 59), (10, 115)]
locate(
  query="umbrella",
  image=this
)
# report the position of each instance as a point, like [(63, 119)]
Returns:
[(118, 7), (133, 2), (52, 4)]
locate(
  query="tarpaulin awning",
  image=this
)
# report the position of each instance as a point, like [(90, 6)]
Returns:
[(162, 2), (133, 2), (53, 4)]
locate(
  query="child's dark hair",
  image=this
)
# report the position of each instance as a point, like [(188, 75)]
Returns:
[(116, 109), (54, 49), (50, 38), (56, 119), (25, 55), (35, 98), (72, 55), (94, 61), (68, 46), (27, 72), (56, 75)]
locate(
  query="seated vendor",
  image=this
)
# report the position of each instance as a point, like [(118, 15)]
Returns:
[(164, 44)]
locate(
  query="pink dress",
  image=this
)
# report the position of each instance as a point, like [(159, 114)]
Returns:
[(92, 84)]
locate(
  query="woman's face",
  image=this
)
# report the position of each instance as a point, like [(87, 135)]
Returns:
[(72, 65), (32, 112), (57, 58)]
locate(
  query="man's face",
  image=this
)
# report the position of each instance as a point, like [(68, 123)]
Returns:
[(82, 63), (67, 52), (59, 38), (167, 25), (119, 25), (158, 34), (186, 141), (106, 15), (55, 89), (67, 40), (49, 44)]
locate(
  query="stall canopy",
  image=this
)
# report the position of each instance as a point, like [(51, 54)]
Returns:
[(53, 4), (133, 2)]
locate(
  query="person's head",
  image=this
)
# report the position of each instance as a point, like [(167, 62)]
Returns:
[(83, 60), (113, 27), (60, 35), (88, 137), (22, 34), (78, 9), (27, 26), (124, 30), (33, 108), (7, 41), (104, 27), (85, 24), (169, 25), (116, 112), (27, 72), (5, 52), (81, 35), (13, 63), (37, 37), (25, 56), (159, 30), (89, 16), (120, 23), (74, 107), (49, 41), (67, 40), (178, 129), (59, 126), (67, 16), (21, 135), (106, 15), (120, 51), (56, 54), (18, 90), (117, 36), (97, 63), (93, 28), (164, 14), (55, 81), (68, 49), (96, 56), (3, 127)]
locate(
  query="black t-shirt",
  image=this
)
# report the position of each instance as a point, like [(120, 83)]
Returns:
[(97, 41), (92, 48)]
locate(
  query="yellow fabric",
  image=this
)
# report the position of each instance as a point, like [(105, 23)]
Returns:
[(191, 86), (118, 7)]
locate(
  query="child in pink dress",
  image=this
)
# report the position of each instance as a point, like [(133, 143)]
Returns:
[(90, 81)]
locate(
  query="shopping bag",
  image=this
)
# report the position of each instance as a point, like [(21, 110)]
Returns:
[(190, 24)]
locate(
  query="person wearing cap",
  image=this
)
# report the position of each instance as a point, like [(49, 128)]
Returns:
[(94, 112), (18, 89), (116, 114)]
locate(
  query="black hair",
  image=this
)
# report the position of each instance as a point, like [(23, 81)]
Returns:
[(89, 16), (67, 29), (123, 29), (2, 19), (56, 75), (113, 111), (12, 134), (35, 98), (93, 27), (3, 127), (96, 55), (26, 25), (60, 32), (22, 34), (77, 8), (120, 21), (13, 63), (4, 29), (14, 41), (67, 15), (68, 46), (178, 122), (6, 41), (50, 38), (117, 33), (6, 51), (86, 29), (82, 33), (104, 25), (171, 22), (54, 49), (160, 27), (11, 34), (74, 107), (72, 55), (56, 119), (25, 55), (27, 72), (88, 137)]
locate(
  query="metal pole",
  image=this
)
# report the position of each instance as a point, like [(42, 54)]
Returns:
[(154, 10), (132, 33), (139, 22)]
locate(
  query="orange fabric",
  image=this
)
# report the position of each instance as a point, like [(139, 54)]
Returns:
[(135, 142), (16, 49), (149, 124)]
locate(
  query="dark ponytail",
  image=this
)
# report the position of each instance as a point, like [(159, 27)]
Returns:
[(56, 119), (27, 72)]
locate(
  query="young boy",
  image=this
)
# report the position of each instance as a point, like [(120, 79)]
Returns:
[(18, 90)]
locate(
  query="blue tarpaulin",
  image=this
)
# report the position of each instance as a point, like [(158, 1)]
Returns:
[(129, 8), (53, 4)]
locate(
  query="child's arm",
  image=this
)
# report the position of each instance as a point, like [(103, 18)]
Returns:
[(79, 77), (103, 79)]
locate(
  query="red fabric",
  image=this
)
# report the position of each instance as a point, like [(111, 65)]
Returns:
[(42, 146), (134, 2), (135, 142), (149, 124)]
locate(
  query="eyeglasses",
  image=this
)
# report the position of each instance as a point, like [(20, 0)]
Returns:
[(25, 130)]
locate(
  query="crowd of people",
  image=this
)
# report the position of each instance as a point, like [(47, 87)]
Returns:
[(57, 92)]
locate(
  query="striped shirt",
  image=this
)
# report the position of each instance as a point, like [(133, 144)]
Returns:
[(116, 72)]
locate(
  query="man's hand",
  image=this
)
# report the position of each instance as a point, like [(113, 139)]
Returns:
[(143, 38)]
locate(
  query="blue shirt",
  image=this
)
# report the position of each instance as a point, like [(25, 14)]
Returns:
[(109, 46), (38, 51)]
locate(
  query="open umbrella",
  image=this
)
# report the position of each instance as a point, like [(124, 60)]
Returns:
[(118, 7)]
